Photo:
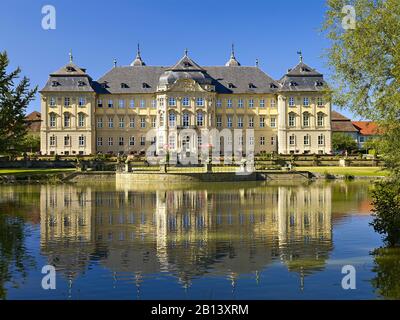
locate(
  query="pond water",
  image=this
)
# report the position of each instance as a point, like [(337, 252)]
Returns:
[(205, 241)]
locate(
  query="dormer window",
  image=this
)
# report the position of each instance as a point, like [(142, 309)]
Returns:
[(252, 86), (273, 86), (124, 85), (81, 83), (104, 84), (319, 83), (231, 85), (145, 85), (292, 84), (55, 84), (303, 69), (70, 69), (187, 64)]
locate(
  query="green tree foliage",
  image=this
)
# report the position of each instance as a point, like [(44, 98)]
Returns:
[(387, 270), (31, 143), (366, 65), (14, 98), (343, 142)]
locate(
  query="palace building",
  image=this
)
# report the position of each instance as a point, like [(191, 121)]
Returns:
[(114, 114)]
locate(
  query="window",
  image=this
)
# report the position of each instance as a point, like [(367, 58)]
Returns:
[(200, 119), (132, 103), (292, 140), (306, 119), (186, 120), (320, 120), (153, 122), (99, 141), (185, 102), (82, 101), (273, 103), (229, 104), (240, 103), (199, 141), (219, 103), (320, 102), (52, 102), (272, 140), (291, 102), (81, 120), (110, 103), (99, 122), (81, 141), (111, 122), (262, 103), (292, 120), (131, 122), (52, 141), (171, 102), (132, 141), (142, 103), (262, 122), (172, 119), (262, 141), (161, 102), (121, 103), (161, 120), (142, 140), (200, 102), (307, 140), (251, 103), (67, 119), (251, 141), (100, 103), (229, 122), (154, 103), (67, 141), (306, 101), (240, 122), (66, 101), (251, 122), (273, 122), (121, 122), (321, 140), (240, 140), (142, 122), (121, 141), (362, 139), (53, 120), (110, 141), (219, 121)]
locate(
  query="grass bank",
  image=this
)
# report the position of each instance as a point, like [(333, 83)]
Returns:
[(353, 171), (15, 172)]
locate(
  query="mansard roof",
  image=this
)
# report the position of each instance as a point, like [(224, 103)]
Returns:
[(70, 78), (303, 78)]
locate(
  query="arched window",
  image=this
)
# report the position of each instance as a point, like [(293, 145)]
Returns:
[(172, 119), (292, 119), (186, 120), (320, 119), (306, 119), (81, 120), (53, 120), (67, 119), (200, 119)]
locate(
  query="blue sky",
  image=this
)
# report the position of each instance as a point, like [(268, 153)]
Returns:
[(99, 31)]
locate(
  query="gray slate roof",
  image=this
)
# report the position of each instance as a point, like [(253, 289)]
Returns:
[(303, 78)]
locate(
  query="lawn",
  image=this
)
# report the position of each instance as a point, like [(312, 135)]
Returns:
[(354, 171), (33, 171)]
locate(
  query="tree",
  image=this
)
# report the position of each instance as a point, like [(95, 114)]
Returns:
[(31, 143), (343, 142), (366, 65), (14, 99)]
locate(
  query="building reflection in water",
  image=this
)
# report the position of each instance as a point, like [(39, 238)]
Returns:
[(186, 234)]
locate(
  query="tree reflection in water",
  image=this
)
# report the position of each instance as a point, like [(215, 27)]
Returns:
[(387, 272)]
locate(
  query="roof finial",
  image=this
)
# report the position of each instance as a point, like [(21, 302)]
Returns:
[(115, 63), (233, 51), (257, 62), (71, 58), (300, 53), (138, 51), (186, 52)]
